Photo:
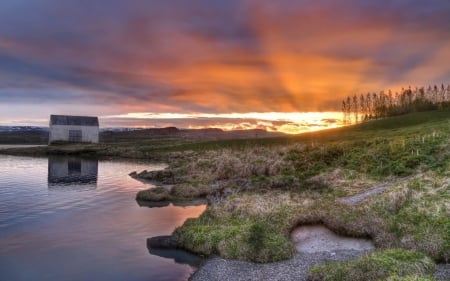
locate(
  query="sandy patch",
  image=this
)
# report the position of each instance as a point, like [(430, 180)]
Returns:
[(318, 238)]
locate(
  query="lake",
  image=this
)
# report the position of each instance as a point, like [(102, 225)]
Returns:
[(76, 219)]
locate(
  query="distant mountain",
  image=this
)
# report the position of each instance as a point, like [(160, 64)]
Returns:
[(23, 135), (118, 129), (183, 134), (22, 128), (39, 135)]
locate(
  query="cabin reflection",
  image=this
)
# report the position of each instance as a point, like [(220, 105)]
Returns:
[(72, 173)]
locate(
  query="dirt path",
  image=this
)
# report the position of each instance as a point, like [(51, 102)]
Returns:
[(358, 198)]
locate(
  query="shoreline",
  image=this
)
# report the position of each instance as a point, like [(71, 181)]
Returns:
[(8, 146), (295, 269)]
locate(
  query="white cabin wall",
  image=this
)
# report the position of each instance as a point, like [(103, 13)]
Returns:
[(61, 133)]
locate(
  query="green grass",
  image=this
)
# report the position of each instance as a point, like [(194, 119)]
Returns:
[(235, 237), (405, 125), (290, 163), (392, 264), (413, 215)]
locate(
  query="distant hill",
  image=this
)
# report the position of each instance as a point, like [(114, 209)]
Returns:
[(39, 135), (172, 133), (22, 128), (23, 135)]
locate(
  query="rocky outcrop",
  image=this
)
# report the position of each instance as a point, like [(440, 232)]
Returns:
[(173, 190), (161, 176), (162, 242)]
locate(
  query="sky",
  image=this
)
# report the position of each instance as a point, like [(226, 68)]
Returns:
[(280, 65)]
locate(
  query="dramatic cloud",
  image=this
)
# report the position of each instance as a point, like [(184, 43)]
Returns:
[(213, 56)]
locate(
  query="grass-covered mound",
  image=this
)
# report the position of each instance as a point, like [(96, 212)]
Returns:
[(176, 193), (392, 264), (294, 184), (413, 215), (373, 151)]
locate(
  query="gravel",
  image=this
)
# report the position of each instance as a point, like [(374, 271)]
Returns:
[(294, 269), (443, 272), (318, 238)]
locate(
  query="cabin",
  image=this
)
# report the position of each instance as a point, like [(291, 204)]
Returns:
[(73, 129)]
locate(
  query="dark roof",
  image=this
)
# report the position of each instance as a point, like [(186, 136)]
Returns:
[(73, 120)]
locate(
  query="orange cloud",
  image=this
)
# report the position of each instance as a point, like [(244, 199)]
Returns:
[(218, 56)]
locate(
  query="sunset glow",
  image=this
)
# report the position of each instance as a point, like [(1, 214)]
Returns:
[(219, 59), (290, 123)]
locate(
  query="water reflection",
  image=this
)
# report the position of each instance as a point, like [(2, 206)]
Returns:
[(95, 234), (72, 173), (160, 204), (179, 256)]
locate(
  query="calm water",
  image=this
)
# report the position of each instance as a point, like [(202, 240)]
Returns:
[(67, 219)]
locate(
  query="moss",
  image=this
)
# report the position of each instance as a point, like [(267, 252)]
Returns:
[(249, 238), (379, 265)]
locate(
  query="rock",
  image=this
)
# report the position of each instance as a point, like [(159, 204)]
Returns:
[(178, 256), (162, 242), (141, 173), (162, 176), (153, 204), (443, 272)]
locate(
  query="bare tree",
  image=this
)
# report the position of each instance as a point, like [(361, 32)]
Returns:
[(373, 105)]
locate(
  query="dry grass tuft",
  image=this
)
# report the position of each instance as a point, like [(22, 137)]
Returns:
[(184, 191)]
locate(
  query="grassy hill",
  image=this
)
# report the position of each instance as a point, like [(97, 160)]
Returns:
[(264, 188), (146, 144), (404, 125)]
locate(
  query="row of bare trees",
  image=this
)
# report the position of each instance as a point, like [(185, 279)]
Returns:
[(382, 104)]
